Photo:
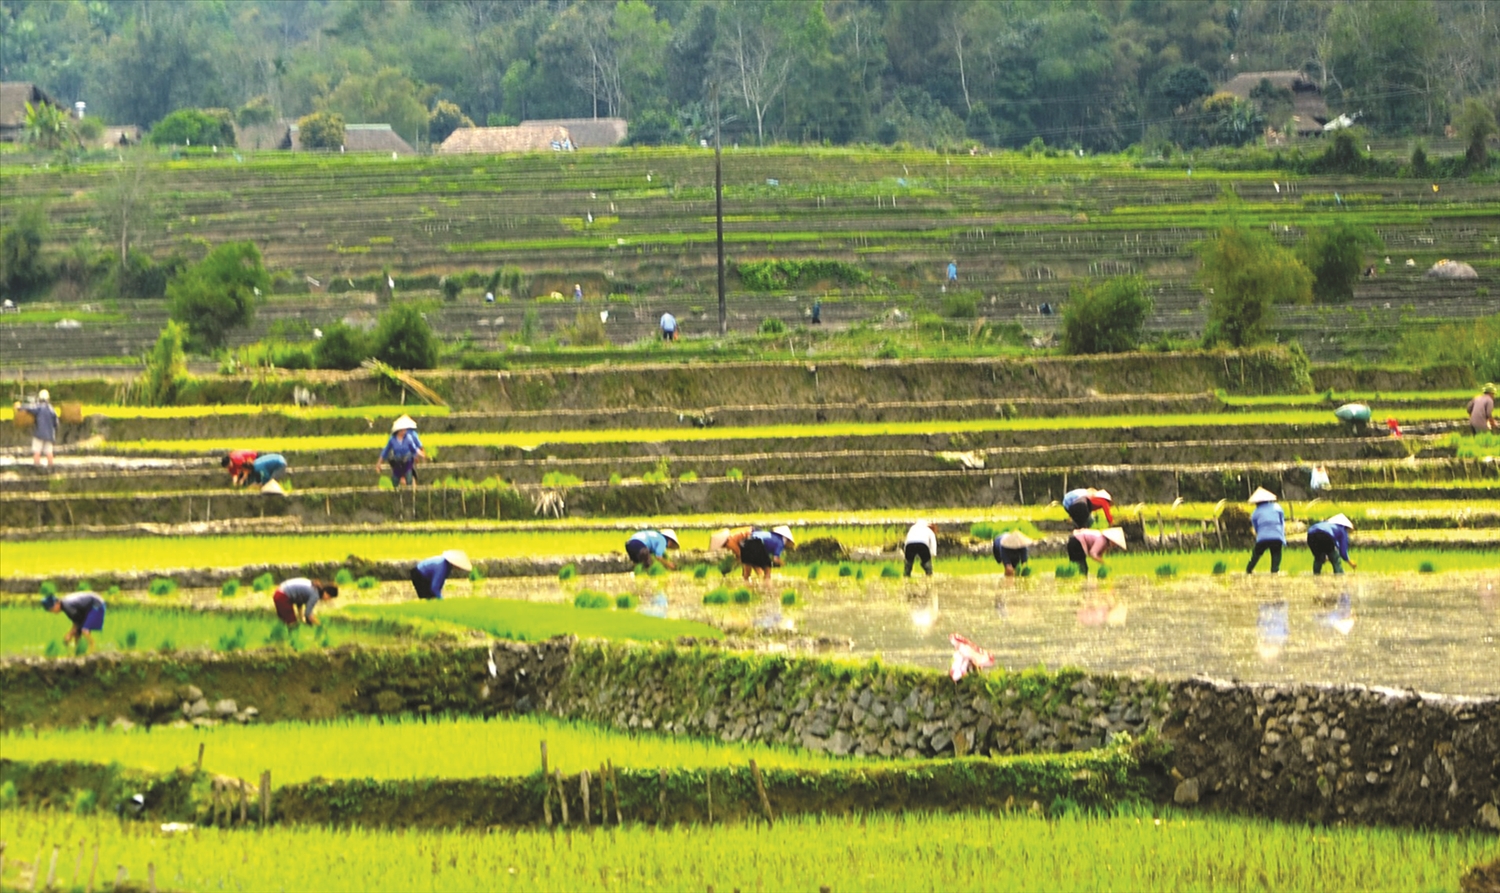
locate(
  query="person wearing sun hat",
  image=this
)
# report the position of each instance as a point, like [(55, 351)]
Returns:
[(733, 539), (763, 549), (44, 430), (1329, 541), (402, 450), (1086, 543), (1010, 552), (1080, 505), (1481, 410), (85, 609), (1269, 522), (431, 574), (648, 546)]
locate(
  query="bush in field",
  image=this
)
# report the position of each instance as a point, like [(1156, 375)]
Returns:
[(230, 589), (1245, 273), (1476, 124), (1107, 317), (218, 293), (772, 326), (446, 117), (166, 368), (1335, 254), (341, 347), (770, 275), (1473, 342), (263, 583), (162, 586), (590, 599), (22, 266), (321, 130), (734, 474), (403, 339), (961, 305), (8, 796)]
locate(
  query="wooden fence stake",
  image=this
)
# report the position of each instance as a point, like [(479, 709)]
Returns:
[(603, 795), (1161, 533), (562, 795), (36, 870), (200, 757), (2, 858), (708, 779), (78, 866), (151, 876), (120, 876), (244, 801), (583, 788), (265, 797), (661, 798), (760, 788), (544, 756), (94, 870), (52, 867), (614, 780)]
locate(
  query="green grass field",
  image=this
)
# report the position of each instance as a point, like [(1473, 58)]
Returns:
[(116, 411), (1130, 851), (530, 622), (31, 631), (363, 747)]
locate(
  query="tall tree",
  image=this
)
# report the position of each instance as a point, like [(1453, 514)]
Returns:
[(1382, 61), (1245, 273), (756, 54), (126, 203)]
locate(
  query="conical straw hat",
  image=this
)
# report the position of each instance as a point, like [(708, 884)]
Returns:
[(1115, 535), (785, 533), (1104, 495), (458, 559), (405, 423), (718, 540), (671, 536), (1015, 539), (1342, 520), (1261, 494)]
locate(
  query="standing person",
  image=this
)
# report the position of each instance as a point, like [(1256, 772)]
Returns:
[(668, 327), (1086, 543), (763, 549), (430, 574), (921, 545), (300, 592), (1010, 550), (44, 428), (1269, 522), (953, 271), (1481, 410), (1329, 541), (84, 608), (647, 546), (1080, 505), (578, 293), (402, 450)]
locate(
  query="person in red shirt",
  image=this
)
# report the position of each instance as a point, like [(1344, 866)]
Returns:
[(238, 463)]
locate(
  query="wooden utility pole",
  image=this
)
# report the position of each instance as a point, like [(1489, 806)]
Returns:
[(719, 210)]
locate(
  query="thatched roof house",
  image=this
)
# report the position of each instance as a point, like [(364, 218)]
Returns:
[(589, 133), (494, 140), (1309, 111), (359, 138), (13, 98)]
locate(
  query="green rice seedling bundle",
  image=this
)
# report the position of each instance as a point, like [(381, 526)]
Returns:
[(626, 602), (367, 582), (162, 586), (263, 583), (1102, 572), (1008, 851), (1065, 571), (28, 630), (740, 596), (717, 596), (230, 589), (47, 588), (1220, 568), (1166, 569), (789, 598), (1427, 567), (567, 572), (812, 572), (591, 600), (371, 747), (533, 622), (700, 572), (344, 577), (846, 570)]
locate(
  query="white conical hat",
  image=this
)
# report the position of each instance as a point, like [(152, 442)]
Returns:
[(458, 559), (1115, 535), (405, 423), (1015, 539), (1104, 495), (785, 533), (1341, 520), (718, 540), (1261, 494), (671, 535), (272, 487)]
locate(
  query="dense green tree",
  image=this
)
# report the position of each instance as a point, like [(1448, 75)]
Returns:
[(1335, 254), (22, 268), (196, 127), (48, 127), (1475, 124), (341, 347), (321, 130), (1383, 63), (386, 97), (445, 118), (1245, 274), (402, 338), (1106, 317), (218, 293), (165, 369)]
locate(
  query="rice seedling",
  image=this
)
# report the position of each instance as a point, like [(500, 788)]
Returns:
[(1128, 851), (700, 572), (591, 600), (567, 572), (344, 577), (1220, 568), (626, 601), (812, 572), (1166, 569), (1103, 572), (230, 589), (888, 571), (263, 583), (532, 622), (30, 631), (1065, 571), (1427, 567), (719, 596), (47, 588), (846, 570), (366, 582), (740, 596), (789, 598), (162, 586)]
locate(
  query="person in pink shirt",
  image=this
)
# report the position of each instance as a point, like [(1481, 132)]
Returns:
[(1086, 543)]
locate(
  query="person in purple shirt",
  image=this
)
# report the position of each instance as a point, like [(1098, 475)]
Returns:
[(85, 609), (430, 574), (1329, 541)]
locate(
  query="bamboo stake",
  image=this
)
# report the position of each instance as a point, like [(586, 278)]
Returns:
[(583, 788), (603, 796), (200, 757), (265, 797), (93, 870), (546, 789), (562, 795), (661, 798), (120, 876), (52, 867), (2, 858), (151, 876), (1161, 532), (708, 779), (78, 866), (36, 869), (244, 801), (614, 778), (760, 788)]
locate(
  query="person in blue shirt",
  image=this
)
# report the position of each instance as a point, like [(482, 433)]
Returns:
[(430, 574), (668, 327), (1269, 522), (1329, 541), (648, 546), (85, 609), (44, 434), (1080, 505), (763, 549), (952, 271), (402, 451)]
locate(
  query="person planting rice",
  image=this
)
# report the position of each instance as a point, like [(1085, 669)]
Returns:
[(301, 596), (921, 545), (249, 467), (431, 574), (1010, 550), (1269, 522), (1329, 541), (763, 549), (1481, 410), (1086, 543), (402, 450), (733, 539), (1080, 505), (648, 546), (85, 609)]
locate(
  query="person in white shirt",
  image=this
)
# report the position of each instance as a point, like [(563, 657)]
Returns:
[(921, 545)]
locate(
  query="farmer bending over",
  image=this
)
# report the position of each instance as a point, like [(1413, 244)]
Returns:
[(647, 546), (1010, 550), (1086, 543), (85, 609), (763, 549), (733, 539), (300, 592), (1269, 522), (921, 545), (1080, 505), (1329, 541), (431, 573), (248, 467)]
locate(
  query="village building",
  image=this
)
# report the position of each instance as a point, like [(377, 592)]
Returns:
[(1309, 111), (13, 98), (560, 134), (357, 138)]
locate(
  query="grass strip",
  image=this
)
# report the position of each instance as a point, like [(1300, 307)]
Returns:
[(532, 622)]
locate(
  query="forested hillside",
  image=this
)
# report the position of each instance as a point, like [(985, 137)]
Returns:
[(1099, 74)]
